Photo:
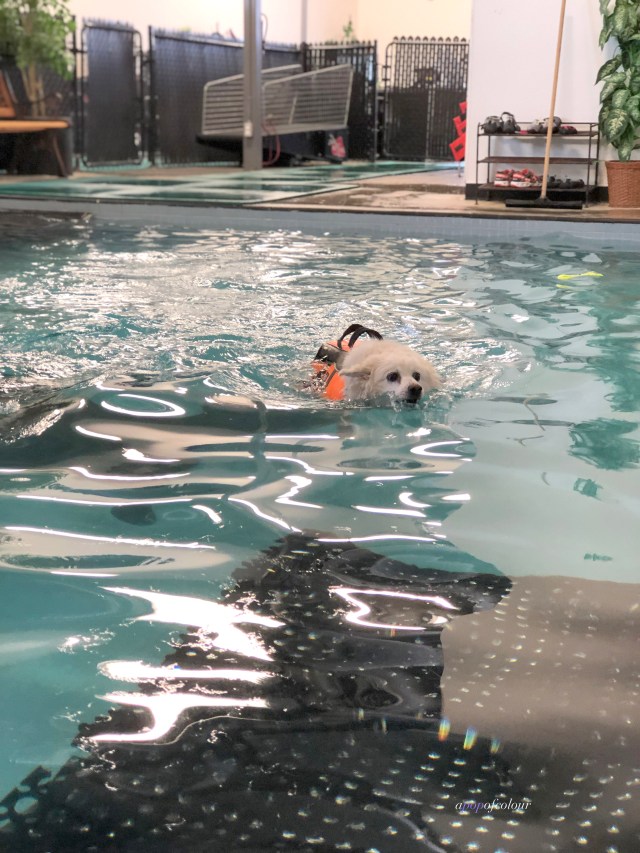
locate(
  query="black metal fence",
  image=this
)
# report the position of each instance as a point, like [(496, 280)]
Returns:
[(110, 115), (424, 82), (363, 122), (180, 65), (128, 105)]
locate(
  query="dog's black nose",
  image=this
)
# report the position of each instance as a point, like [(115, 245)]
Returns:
[(414, 392)]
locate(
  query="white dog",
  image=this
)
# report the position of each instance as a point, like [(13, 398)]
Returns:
[(379, 368)]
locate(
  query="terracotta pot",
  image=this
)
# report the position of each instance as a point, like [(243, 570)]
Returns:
[(624, 183)]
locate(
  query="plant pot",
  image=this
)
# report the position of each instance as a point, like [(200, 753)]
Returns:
[(624, 183)]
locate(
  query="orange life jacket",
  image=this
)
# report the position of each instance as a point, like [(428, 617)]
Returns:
[(329, 358)]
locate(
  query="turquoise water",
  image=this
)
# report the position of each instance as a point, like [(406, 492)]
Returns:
[(157, 434)]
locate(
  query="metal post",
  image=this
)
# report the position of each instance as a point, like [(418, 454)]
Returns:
[(304, 23), (252, 55)]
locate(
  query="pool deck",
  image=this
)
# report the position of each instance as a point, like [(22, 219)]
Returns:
[(403, 191)]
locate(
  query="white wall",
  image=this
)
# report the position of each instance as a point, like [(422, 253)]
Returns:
[(381, 20), (512, 56), (325, 18), (378, 20)]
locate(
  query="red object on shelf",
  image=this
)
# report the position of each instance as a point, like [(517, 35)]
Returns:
[(458, 145)]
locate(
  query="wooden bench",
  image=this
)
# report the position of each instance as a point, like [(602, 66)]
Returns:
[(43, 129)]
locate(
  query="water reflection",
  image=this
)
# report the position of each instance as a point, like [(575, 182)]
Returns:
[(306, 702), (219, 473)]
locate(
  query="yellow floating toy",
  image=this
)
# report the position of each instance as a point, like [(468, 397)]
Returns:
[(565, 276)]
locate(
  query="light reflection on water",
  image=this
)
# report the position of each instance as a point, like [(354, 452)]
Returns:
[(157, 444)]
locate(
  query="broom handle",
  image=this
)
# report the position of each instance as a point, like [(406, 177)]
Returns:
[(552, 108)]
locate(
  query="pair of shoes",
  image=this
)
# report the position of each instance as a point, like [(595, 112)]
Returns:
[(541, 126), (503, 178), (525, 178), (554, 183), (521, 179), (557, 122), (505, 123), (567, 129)]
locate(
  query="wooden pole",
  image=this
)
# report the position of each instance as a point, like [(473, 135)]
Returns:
[(552, 108)]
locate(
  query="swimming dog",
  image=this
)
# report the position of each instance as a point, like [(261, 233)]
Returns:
[(373, 369)]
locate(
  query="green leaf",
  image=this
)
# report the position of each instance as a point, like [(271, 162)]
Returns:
[(605, 33), (604, 7), (615, 81), (633, 109), (614, 125), (626, 145), (620, 98), (609, 67), (621, 21)]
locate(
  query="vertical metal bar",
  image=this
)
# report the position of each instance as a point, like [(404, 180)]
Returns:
[(84, 71), (372, 65), (153, 111), (139, 72), (77, 98), (252, 90)]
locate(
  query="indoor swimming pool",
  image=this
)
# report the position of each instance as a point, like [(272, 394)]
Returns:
[(236, 616)]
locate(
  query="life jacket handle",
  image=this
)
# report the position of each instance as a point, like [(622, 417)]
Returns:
[(356, 330)]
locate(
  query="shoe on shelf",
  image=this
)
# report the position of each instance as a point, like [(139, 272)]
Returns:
[(567, 129), (503, 178), (557, 122), (492, 124), (524, 179), (508, 123), (535, 127)]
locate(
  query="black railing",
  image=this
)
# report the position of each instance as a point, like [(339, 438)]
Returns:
[(424, 82), (363, 123)]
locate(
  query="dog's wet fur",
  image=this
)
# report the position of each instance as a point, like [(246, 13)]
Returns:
[(375, 369)]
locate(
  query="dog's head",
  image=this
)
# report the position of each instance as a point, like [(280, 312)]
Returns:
[(376, 369)]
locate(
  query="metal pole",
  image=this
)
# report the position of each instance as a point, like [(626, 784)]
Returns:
[(252, 55), (304, 24)]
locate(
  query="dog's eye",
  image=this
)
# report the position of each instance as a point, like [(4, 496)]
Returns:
[(393, 377), (416, 376)]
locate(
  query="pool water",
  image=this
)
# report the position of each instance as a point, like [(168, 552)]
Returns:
[(234, 611)]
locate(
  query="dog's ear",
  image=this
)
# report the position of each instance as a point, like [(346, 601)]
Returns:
[(359, 373)]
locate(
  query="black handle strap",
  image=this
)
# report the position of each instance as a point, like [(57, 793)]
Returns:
[(356, 330)]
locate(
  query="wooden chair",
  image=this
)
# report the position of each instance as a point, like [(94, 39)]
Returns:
[(44, 128)]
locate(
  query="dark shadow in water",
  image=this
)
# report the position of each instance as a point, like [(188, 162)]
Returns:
[(331, 735)]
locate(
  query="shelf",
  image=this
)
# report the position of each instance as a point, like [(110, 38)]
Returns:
[(493, 188), (581, 134), (587, 136), (524, 159)]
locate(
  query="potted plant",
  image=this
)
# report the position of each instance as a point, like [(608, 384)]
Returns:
[(619, 119), (33, 35)]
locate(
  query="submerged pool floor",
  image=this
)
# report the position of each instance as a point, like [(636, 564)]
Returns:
[(237, 189), (237, 617)]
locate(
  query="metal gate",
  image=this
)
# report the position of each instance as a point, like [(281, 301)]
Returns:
[(110, 113), (363, 123), (180, 65), (424, 82)]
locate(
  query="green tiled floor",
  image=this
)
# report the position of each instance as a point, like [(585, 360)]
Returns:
[(235, 188)]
